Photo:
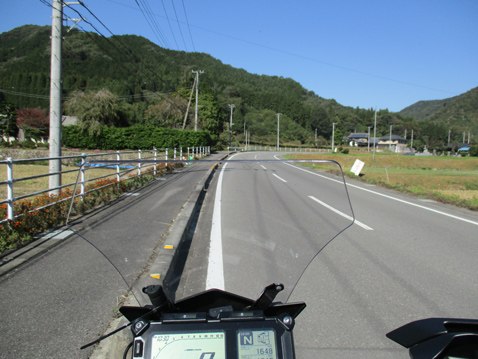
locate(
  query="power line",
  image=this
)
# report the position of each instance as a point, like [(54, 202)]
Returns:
[(169, 22), (44, 2), (47, 97), (129, 51), (26, 94), (189, 28), (152, 23), (179, 26), (157, 15)]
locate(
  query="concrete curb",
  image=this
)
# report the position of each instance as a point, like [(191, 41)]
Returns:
[(163, 267)]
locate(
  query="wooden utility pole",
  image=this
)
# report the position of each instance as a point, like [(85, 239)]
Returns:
[(197, 98)]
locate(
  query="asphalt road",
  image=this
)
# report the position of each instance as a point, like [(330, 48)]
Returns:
[(408, 259), (66, 297)]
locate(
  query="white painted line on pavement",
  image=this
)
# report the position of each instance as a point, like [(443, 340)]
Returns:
[(215, 268), (364, 226), (263, 167), (389, 197), (283, 180)]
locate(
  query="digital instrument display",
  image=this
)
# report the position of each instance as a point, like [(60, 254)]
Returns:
[(193, 345), (256, 344)]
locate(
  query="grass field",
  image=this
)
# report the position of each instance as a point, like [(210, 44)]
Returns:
[(451, 180), (38, 184)]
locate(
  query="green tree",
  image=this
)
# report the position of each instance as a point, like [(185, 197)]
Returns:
[(169, 112), (8, 122), (94, 110)]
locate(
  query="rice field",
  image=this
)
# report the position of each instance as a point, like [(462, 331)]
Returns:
[(451, 180)]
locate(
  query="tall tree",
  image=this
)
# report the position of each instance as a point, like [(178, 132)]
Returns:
[(94, 110)]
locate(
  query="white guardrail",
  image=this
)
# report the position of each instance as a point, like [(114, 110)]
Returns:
[(155, 154)]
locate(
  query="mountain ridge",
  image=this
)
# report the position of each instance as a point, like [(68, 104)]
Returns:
[(153, 85)]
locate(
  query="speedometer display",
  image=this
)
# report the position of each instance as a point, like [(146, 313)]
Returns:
[(256, 344), (194, 345)]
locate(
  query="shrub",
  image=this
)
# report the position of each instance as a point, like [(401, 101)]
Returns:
[(31, 222), (28, 144), (473, 151), (345, 151), (135, 137)]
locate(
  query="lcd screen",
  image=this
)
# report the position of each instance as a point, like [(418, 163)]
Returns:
[(256, 344), (193, 345)]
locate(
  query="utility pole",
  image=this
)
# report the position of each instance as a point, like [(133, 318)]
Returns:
[(197, 97), (449, 133), (390, 146), (278, 116), (368, 142), (464, 135), (374, 133), (405, 133), (468, 137), (315, 137), (333, 135), (55, 96), (189, 105), (230, 126), (411, 145)]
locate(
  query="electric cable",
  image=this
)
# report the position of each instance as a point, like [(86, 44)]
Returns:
[(169, 23), (189, 28), (179, 25)]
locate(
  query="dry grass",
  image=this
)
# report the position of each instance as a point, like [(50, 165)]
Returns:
[(39, 184), (447, 179)]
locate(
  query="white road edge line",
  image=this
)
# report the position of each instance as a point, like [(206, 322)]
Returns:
[(390, 197), (364, 226), (215, 267), (263, 167), (283, 180)]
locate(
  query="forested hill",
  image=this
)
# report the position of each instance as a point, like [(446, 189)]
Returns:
[(459, 111), (152, 86), (135, 69)]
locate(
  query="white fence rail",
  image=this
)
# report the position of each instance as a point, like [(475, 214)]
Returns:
[(155, 154)]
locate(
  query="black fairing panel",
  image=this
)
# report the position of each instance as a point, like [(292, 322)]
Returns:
[(425, 329)]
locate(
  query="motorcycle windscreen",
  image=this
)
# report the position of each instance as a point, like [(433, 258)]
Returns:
[(261, 222), (270, 220)]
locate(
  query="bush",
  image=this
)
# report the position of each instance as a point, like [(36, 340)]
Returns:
[(28, 144), (31, 222), (135, 137), (345, 151), (473, 151)]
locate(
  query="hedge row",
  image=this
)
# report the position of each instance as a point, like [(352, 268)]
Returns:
[(135, 137)]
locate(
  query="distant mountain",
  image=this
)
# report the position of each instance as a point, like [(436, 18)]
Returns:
[(459, 112)]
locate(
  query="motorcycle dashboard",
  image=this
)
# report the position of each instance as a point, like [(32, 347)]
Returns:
[(242, 339)]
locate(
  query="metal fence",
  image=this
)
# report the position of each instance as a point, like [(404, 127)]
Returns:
[(118, 172), (287, 149)]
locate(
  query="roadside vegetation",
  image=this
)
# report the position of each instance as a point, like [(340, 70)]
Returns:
[(30, 222), (451, 180)]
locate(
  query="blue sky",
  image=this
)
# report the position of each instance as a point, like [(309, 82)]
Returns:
[(365, 53)]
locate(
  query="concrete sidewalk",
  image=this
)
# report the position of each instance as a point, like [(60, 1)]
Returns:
[(61, 265)]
